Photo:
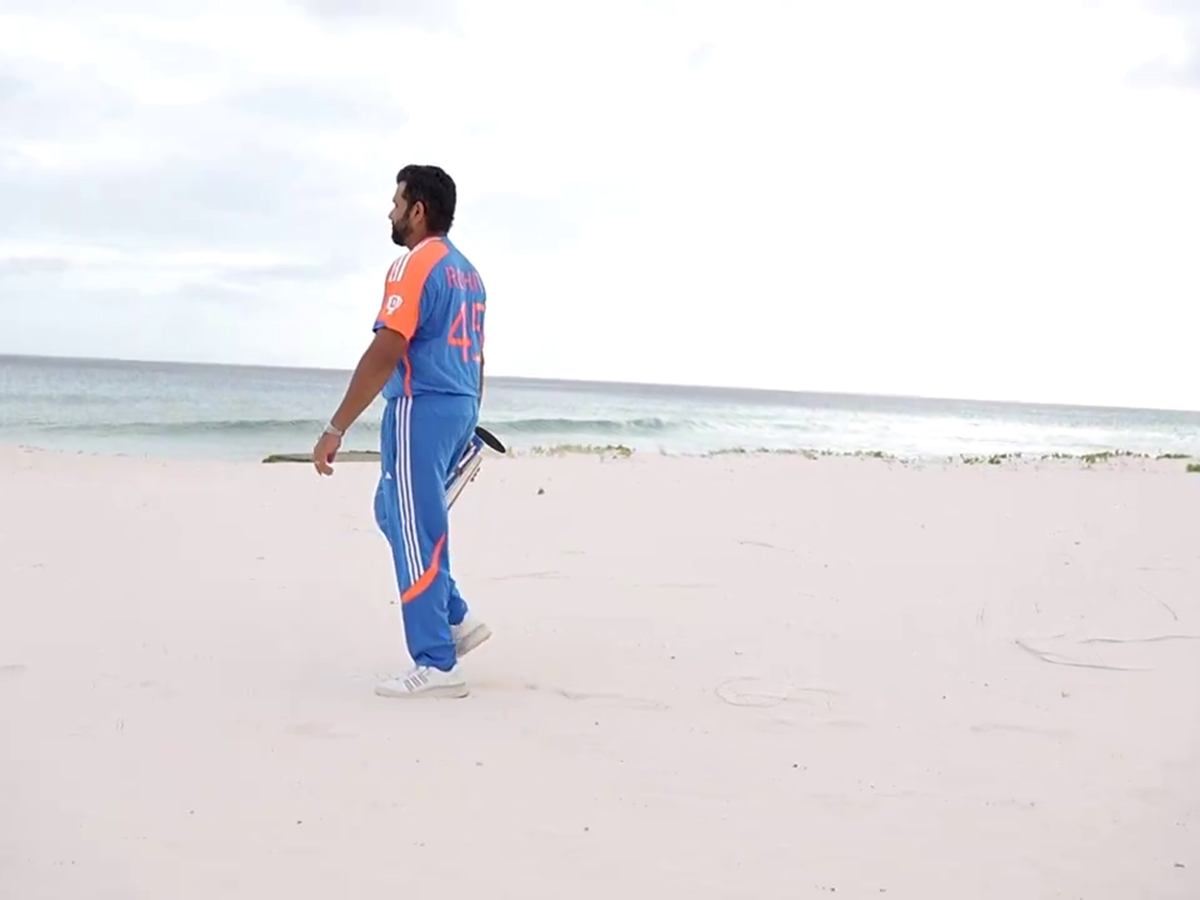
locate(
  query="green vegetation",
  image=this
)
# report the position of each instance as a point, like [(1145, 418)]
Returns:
[(613, 450), (1106, 455), (807, 454), (620, 451), (994, 459)]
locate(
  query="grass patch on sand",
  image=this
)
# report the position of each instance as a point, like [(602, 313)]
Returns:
[(1109, 455), (1102, 456), (981, 459), (991, 459), (614, 451), (1093, 458), (621, 451), (798, 451)]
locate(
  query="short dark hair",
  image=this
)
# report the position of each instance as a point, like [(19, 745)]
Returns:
[(433, 187)]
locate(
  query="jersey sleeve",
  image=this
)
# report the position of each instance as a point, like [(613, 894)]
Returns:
[(404, 290)]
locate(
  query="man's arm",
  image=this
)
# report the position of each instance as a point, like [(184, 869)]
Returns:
[(376, 366), (395, 325)]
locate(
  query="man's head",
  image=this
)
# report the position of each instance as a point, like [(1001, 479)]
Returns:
[(423, 204)]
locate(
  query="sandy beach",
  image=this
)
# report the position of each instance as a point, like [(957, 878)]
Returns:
[(738, 676)]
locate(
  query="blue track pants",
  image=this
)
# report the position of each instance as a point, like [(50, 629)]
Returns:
[(421, 440)]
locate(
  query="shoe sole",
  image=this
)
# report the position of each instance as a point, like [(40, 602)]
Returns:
[(441, 692), (472, 639)]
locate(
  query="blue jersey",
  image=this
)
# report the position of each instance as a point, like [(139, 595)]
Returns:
[(435, 298)]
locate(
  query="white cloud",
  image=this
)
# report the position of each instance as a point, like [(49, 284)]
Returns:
[(930, 197)]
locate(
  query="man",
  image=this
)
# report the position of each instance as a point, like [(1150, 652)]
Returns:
[(427, 359)]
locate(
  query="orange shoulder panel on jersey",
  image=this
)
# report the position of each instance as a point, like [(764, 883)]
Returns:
[(401, 307)]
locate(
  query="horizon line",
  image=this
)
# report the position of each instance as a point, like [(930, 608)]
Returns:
[(620, 384)]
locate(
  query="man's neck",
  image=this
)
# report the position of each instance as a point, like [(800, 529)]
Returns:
[(424, 240)]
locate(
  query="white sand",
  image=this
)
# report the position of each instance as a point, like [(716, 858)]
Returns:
[(734, 677)]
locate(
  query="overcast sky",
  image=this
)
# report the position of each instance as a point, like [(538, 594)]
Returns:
[(983, 199)]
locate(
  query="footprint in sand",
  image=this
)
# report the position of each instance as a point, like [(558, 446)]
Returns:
[(990, 727), (518, 576), (619, 701), (1108, 653), (317, 730), (763, 692)]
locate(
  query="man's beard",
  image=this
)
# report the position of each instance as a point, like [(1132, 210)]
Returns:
[(402, 231)]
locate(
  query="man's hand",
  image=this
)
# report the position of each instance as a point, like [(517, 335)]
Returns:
[(378, 363), (325, 451)]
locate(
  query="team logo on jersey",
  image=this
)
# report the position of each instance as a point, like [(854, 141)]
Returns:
[(394, 302)]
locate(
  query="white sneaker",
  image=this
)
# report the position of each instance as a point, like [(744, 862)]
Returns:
[(469, 634), (424, 681)]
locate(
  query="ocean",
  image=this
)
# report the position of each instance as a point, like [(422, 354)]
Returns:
[(247, 412)]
